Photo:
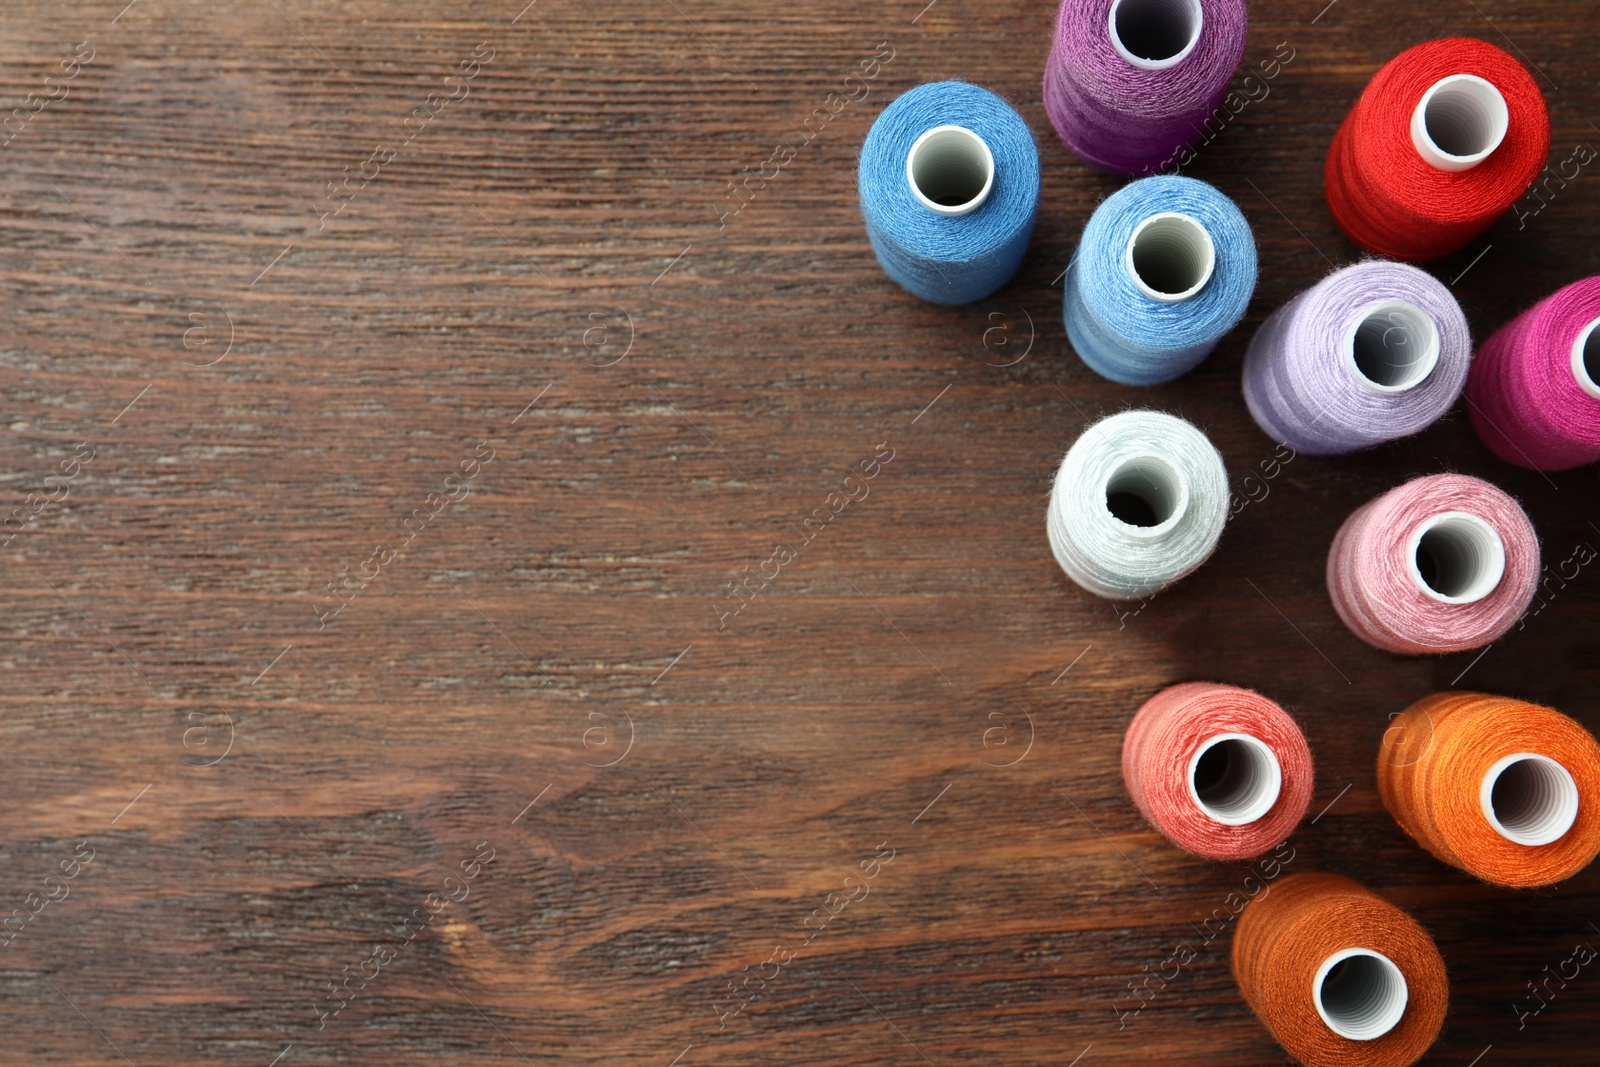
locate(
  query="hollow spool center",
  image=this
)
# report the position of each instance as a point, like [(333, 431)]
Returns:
[(1459, 122), (1586, 359), (1155, 34), (1456, 558), (1392, 346), (1529, 799), (950, 170), (1145, 493), (1235, 778), (1359, 993), (1170, 257)]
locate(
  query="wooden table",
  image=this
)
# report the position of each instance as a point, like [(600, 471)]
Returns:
[(442, 313)]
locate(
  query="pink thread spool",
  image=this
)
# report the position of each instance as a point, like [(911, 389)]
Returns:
[(1222, 771), (1440, 564), (1534, 391)]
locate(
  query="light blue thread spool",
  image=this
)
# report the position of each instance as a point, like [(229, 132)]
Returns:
[(1165, 268), (949, 185)]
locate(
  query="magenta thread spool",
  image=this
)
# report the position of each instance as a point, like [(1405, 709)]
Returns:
[(1534, 392)]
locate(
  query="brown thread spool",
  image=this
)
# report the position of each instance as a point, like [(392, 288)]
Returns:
[(1341, 977), (1505, 790)]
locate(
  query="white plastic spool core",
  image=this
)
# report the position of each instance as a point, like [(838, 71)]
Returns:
[(1155, 34), (1456, 557), (1170, 257), (1146, 495), (1586, 359), (1234, 778), (1529, 799), (1392, 347), (1459, 122), (950, 170), (1360, 993)]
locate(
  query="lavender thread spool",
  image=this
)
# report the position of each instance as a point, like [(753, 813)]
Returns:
[(1128, 84), (1373, 352)]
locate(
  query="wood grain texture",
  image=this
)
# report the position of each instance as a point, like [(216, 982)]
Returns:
[(269, 394)]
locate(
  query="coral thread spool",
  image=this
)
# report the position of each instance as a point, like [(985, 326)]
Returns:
[(1505, 790), (1222, 771), (1341, 977), (1129, 84), (1444, 139), (1534, 392), (1440, 564)]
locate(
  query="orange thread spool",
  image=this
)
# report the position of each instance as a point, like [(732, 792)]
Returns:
[(1341, 977), (1505, 790)]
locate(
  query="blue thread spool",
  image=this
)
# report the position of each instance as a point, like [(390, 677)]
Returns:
[(949, 185), (1165, 268)]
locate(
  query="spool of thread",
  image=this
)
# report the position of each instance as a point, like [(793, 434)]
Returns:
[(949, 184), (1223, 772), (1341, 977), (1165, 268), (1371, 353), (1440, 564), (1505, 790), (1535, 384), (1139, 502), (1129, 84), (1444, 139)]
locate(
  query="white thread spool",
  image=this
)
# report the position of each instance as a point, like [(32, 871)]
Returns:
[(1234, 778), (1586, 359), (1529, 798), (950, 170), (1170, 257), (1392, 346), (1459, 122), (1155, 34), (1359, 993), (1463, 555), (1139, 502)]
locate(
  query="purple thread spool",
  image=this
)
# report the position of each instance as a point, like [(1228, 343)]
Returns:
[(1129, 84), (1371, 353)]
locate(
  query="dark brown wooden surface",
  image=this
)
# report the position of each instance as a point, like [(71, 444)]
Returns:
[(268, 396)]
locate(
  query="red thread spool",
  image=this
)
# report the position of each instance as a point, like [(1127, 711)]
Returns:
[(1444, 139), (1223, 772)]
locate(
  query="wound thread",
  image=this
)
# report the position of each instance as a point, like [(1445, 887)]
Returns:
[(1165, 268), (1338, 975), (1534, 392), (1505, 790), (1440, 564), (949, 187), (1372, 353), (1426, 160), (1138, 503), (1222, 772), (1130, 84)]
